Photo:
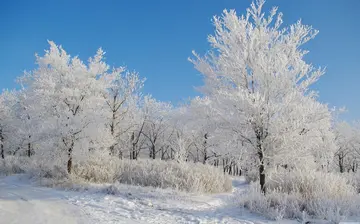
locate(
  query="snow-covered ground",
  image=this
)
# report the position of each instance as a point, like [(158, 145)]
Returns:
[(23, 202), (20, 202)]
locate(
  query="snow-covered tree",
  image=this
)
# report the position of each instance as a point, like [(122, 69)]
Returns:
[(258, 82), (122, 100), (6, 121), (347, 138), (132, 139), (156, 114), (222, 143), (71, 98), (204, 131)]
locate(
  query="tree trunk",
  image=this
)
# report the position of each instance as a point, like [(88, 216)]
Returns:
[(112, 125), (224, 165), (112, 150), (205, 156), (205, 150), (153, 156), (112, 129), (2, 145), (2, 151), (29, 147), (341, 163), (134, 156), (262, 173), (69, 163), (259, 137), (120, 154), (29, 144), (197, 155), (162, 153), (133, 146)]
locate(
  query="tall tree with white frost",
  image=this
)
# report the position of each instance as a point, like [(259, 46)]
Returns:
[(156, 115), (26, 120), (3, 120), (258, 81), (122, 101), (19, 122), (6, 121), (204, 128), (71, 98)]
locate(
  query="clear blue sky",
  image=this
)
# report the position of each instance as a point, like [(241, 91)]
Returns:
[(156, 38)]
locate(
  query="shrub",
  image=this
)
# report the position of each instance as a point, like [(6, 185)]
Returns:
[(252, 175), (191, 177), (41, 170), (354, 179), (98, 169), (13, 165), (298, 194), (47, 174)]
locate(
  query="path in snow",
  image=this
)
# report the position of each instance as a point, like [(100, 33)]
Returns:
[(162, 206), (22, 202)]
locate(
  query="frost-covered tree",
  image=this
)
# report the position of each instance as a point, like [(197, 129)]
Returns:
[(26, 119), (18, 127), (221, 145), (71, 98), (347, 139), (181, 136), (132, 140), (6, 121), (258, 82), (355, 155), (2, 124), (207, 142), (122, 100), (156, 116)]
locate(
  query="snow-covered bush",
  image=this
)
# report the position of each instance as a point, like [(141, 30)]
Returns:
[(13, 165), (191, 177), (275, 205), (182, 176), (34, 166), (98, 168), (354, 179), (310, 182), (252, 175), (295, 194), (41, 171)]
